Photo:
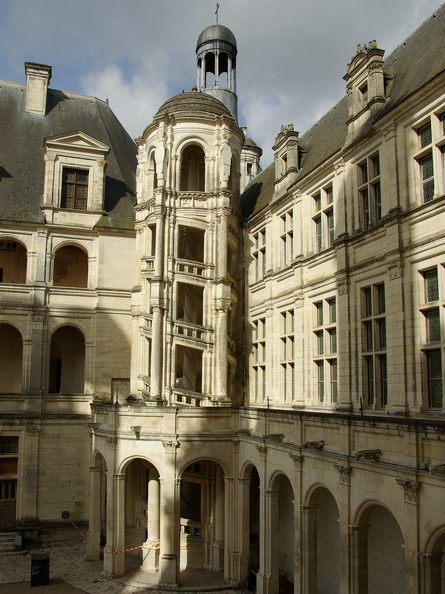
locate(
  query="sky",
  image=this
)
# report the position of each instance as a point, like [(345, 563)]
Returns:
[(292, 54)]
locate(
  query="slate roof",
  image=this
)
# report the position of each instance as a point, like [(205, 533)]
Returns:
[(216, 33), (193, 103), (22, 153), (410, 66)]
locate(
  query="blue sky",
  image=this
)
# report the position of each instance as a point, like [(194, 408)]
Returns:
[(292, 54)]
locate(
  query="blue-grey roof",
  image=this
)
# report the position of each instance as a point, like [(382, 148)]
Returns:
[(216, 33), (413, 64), (22, 153)]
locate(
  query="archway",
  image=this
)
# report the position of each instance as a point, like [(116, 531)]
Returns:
[(277, 536), (433, 564), (70, 267), (142, 515), (67, 361), (202, 534), (193, 169), (379, 553), (323, 543), (11, 354), (12, 261)]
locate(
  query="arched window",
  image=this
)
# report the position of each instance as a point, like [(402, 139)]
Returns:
[(70, 267), (193, 170), (67, 361), (12, 261), (11, 350)]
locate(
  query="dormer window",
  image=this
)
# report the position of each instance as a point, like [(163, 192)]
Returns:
[(74, 189), (75, 173), (364, 93)]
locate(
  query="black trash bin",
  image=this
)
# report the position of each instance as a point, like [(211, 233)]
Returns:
[(39, 569)]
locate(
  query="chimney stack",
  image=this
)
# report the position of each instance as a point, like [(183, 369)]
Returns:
[(37, 81)]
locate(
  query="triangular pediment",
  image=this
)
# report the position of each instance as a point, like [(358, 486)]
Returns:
[(76, 142)]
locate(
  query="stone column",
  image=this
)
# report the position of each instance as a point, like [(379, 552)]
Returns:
[(169, 522), (33, 357), (93, 541), (242, 527), (150, 549), (28, 480), (358, 551), (217, 563), (221, 353), (430, 573), (309, 548), (156, 354), (268, 576), (114, 556)]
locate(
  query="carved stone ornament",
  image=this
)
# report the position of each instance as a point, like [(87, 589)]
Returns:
[(298, 461), (410, 490), (345, 473), (262, 450), (170, 446), (33, 429), (437, 469), (247, 432), (111, 442), (368, 455), (313, 445), (274, 437)]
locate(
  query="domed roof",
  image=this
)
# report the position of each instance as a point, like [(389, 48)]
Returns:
[(193, 103), (216, 33)]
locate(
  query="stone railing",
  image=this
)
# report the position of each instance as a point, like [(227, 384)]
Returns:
[(187, 397)]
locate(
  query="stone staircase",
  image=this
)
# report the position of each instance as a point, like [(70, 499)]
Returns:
[(9, 542)]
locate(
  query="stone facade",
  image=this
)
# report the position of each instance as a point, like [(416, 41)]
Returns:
[(243, 379)]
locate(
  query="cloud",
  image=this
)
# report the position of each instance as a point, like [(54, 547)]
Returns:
[(135, 98), (291, 55)]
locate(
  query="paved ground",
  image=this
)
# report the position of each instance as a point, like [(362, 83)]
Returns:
[(69, 574)]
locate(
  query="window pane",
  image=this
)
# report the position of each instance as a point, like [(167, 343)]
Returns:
[(364, 173), (425, 135), (368, 346), (319, 308), (333, 334), (433, 325), (432, 285), (329, 195), (318, 234), (366, 209), (383, 381), (320, 368), (334, 382), (369, 368), (330, 217), (378, 202), (332, 311), (367, 302), (435, 379), (376, 164), (381, 298), (382, 334)]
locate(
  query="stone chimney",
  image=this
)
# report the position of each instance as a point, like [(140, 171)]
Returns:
[(37, 81)]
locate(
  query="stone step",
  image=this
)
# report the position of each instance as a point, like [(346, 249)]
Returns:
[(7, 542)]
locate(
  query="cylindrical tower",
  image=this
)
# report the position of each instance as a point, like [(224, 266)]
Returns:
[(216, 63)]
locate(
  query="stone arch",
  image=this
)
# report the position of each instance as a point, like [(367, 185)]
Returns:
[(378, 550), (13, 261), (67, 361), (70, 266), (432, 561), (193, 168), (277, 540), (202, 508), (321, 558), (11, 359)]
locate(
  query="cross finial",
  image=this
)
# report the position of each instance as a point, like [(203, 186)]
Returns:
[(216, 12)]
